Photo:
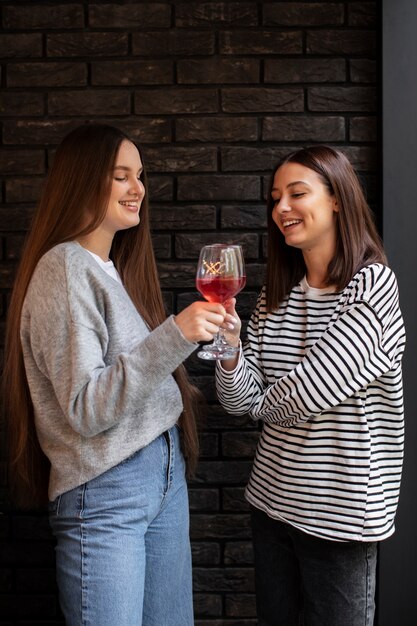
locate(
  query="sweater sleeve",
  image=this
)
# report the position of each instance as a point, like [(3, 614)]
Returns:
[(358, 347), (66, 338)]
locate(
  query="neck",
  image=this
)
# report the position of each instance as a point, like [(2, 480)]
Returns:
[(317, 265), (99, 245)]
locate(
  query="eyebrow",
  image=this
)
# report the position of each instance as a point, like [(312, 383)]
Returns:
[(296, 182), (125, 168)]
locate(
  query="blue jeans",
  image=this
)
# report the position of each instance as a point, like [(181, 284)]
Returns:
[(304, 580), (123, 550)]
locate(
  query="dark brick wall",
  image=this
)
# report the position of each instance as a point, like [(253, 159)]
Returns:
[(215, 92)]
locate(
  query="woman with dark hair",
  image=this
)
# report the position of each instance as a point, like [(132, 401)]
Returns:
[(321, 367), (100, 411)]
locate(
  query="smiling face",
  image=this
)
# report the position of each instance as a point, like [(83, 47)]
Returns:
[(127, 191), (304, 210)]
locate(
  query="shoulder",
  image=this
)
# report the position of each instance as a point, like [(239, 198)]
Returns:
[(65, 274), (375, 284)]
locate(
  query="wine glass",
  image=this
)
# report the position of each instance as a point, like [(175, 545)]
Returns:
[(220, 276)]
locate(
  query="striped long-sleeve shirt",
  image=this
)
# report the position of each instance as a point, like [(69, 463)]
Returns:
[(323, 372)]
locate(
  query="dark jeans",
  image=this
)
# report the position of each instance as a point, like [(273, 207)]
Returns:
[(304, 580)]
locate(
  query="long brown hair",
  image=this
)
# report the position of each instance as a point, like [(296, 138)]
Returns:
[(357, 244), (73, 203)]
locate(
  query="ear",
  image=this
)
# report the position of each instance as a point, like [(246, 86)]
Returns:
[(335, 205)]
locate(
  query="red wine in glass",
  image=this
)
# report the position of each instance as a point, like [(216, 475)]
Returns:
[(220, 276), (220, 288)]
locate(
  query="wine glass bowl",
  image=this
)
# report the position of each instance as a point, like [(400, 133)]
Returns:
[(220, 276)]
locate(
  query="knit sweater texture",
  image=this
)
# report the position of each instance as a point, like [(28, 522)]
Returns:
[(101, 382)]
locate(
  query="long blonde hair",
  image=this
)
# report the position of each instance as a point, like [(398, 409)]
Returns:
[(72, 204)]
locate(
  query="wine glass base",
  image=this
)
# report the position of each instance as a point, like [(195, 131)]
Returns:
[(217, 353)]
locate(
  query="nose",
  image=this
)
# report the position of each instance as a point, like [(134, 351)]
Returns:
[(282, 206), (137, 188)]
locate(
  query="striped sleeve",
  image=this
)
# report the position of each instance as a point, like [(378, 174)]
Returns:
[(347, 357)]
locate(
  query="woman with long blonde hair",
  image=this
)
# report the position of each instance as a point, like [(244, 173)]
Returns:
[(99, 410)]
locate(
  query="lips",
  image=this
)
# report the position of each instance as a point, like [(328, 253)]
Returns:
[(130, 204), (287, 223)]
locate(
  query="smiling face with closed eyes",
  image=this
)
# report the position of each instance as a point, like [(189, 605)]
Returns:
[(304, 210), (127, 191)]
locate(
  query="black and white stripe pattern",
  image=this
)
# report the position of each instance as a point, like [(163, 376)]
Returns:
[(323, 372)]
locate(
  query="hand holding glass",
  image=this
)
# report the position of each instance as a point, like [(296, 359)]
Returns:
[(220, 276)]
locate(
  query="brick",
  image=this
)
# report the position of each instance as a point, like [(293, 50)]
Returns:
[(20, 103), (23, 189), (162, 246), (14, 246), (244, 217), (236, 579), (89, 103), (218, 187), (144, 129), (176, 100), (262, 158), (207, 605), (343, 42), (184, 218), (217, 417), (169, 159), (47, 74), (362, 14), (303, 14), (215, 70), (86, 44), (216, 13), (189, 246), (205, 553), (216, 129), (132, 73), (226, 472), (237, 553), (172, 43), (363, 71), (305, 70), (260, 42), (178, 274), (240, 605), (363, 158), (234, 499), (209, 445), (363, 129), (36, 16), (259, 100), (203, 499), (18, 46), (19, 161), (239, 444), (26, 132), (303, 128), (348, 99), (131, 15), (15, 218), (160, 188)]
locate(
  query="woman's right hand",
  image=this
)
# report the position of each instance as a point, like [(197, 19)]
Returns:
[(200, 321)]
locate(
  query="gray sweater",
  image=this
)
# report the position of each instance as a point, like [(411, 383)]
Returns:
[(101, 383)]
